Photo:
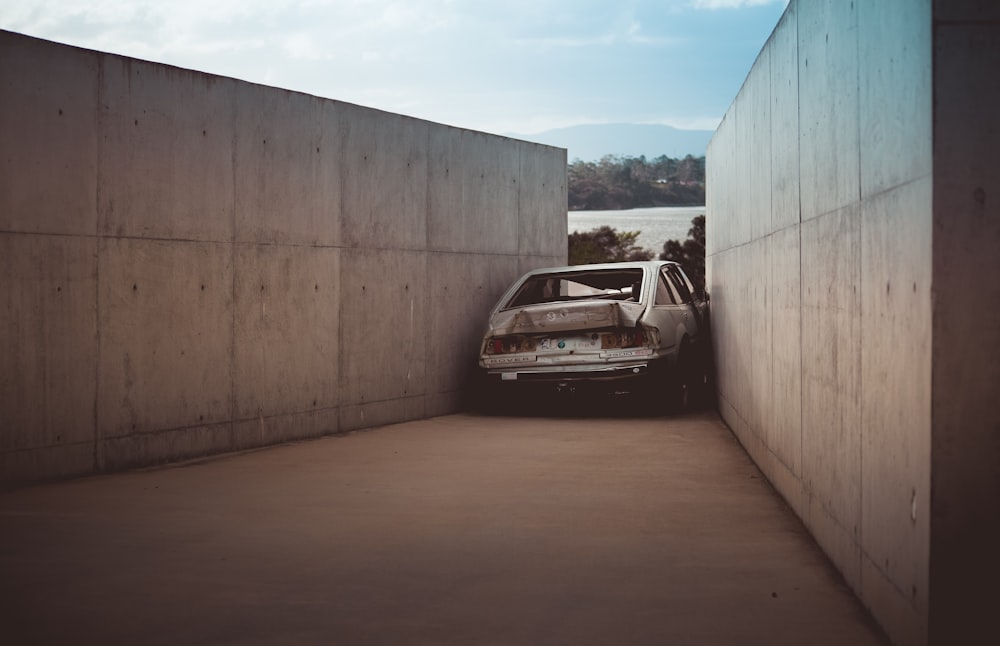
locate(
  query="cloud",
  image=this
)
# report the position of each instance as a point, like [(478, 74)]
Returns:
[(732, 4)]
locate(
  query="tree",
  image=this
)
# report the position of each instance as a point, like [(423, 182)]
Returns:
[(605, 244), (691, 253)]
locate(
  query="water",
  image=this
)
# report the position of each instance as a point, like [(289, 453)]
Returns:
[(656, 225)]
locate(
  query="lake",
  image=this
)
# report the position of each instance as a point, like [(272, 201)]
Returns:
[(656, 225)]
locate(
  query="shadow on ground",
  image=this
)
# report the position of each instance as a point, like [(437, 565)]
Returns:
[(572, 404)]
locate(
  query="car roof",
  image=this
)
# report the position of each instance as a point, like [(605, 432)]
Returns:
[(635, 264)]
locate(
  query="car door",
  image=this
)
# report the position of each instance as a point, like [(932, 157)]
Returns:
[(698, 299), (674, 317), (684, 292)]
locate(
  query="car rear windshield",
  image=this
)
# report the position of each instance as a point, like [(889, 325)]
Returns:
[(614, 284)]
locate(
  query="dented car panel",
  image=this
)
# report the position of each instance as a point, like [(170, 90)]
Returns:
[(555, 317), (613, 326)]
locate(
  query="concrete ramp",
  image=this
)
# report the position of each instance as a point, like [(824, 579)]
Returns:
[(452, 530)]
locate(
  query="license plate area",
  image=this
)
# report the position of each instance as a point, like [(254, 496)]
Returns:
[(569, 343)]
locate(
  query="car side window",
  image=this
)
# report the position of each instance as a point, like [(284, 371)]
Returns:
[(687, 281), (678, 283), (664, 294)]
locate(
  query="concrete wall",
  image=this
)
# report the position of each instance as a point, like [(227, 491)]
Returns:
[(194, 264), (819, 233), (852, 234)]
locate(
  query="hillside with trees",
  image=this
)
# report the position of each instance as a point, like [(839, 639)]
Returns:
[(635, 182), (591, 141)]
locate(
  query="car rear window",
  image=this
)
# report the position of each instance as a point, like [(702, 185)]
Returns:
[(613, 284)]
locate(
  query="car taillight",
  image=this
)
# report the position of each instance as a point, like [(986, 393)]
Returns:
[(624, 338), (510, 345)]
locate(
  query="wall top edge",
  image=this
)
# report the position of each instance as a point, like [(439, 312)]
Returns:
[(7, 34)]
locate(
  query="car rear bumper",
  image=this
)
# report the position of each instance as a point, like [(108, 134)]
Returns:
[(622, 377), (570, 373)]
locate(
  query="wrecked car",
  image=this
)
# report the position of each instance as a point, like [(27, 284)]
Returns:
[(627, 327)]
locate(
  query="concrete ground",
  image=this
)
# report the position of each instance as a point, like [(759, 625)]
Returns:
[(454, 530)]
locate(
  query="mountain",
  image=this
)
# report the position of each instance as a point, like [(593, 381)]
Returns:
[(591, 142)]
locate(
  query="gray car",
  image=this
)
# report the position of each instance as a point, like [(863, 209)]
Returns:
[(637, 327)]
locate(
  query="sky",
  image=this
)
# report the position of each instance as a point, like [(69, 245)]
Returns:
[(510, 66)]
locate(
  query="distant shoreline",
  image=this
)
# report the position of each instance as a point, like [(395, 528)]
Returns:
[(655, 224)]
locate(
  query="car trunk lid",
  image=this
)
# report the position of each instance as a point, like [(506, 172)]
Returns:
[(562, 316)]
